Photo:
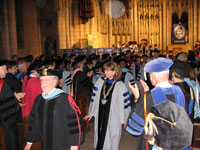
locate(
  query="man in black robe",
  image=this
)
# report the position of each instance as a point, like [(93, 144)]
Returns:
[(10, 78), (9, 107), (177, 72), (54, 118)]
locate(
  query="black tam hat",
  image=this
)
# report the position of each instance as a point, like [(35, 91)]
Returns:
[(3, 62), (170, 126), (180, 67), (34, 67), (49, 72)]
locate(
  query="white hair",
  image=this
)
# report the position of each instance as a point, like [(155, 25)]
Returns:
[(20, 65), (159, 74)]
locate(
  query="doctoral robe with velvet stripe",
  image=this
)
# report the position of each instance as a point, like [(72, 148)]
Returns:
[(135, 124), (54, 122), (67, 82), (119, 110), (9, 108)]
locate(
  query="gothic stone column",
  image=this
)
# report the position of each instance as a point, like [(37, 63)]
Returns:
[(12, 27)]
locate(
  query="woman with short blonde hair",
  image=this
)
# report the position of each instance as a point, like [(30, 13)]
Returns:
[(110, 106)]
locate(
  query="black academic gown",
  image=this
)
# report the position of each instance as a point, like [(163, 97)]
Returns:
[(139, 110), (9, 107), (186, 91), (13, 83), (81, 83), (54, 122), (15, 86)]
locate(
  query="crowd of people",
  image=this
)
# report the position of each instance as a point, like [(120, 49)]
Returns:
[(42, 94)]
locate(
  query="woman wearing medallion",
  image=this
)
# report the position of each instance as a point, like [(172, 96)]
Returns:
[(110, 106)]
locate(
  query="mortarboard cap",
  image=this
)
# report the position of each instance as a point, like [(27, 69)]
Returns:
[(172, 128), (158, 65), (180, 67)]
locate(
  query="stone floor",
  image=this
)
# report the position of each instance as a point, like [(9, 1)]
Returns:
[(128, 142)]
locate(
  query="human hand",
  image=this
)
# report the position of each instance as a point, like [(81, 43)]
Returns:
[(74, 148), (27, 147), (125, 125), (145, 86), (135, 90), (19, 95), (87, 118), (22, 105)]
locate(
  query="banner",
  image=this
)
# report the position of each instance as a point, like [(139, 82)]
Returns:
[(117, 51), (109, 51), (178, 34), (92, 51), (76, 51), (66, 51), (100, 51), (84, 51)]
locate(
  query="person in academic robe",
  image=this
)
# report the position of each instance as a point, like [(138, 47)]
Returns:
[(67, 78), (22, 67), (177, 73), (10, 78), (31, 86), (168, 127), (126, 73), (82, 81), (54, 117), (14, 84), (110, 106), (163, 90), (82, 88), (9, 107)]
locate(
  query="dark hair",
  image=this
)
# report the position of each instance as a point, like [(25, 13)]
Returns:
[(50, 63), (10, 64), (175, 75)]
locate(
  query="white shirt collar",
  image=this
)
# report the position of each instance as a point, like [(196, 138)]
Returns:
[(31, 75), (164, 84)]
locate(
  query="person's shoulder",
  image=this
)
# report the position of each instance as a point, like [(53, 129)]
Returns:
[(120, 84), (34, 79), (129, 72), (101, 79), (66, 73)]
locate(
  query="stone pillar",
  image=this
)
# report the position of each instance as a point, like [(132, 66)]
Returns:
[(12, 27), (62, 29), (195, 22), (190, 24), (164, 22), (6, 45), (169, 23), (135, 21), (161, 23), (198, 20)]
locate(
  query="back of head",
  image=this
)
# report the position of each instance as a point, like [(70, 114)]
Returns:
[(158, 69)]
